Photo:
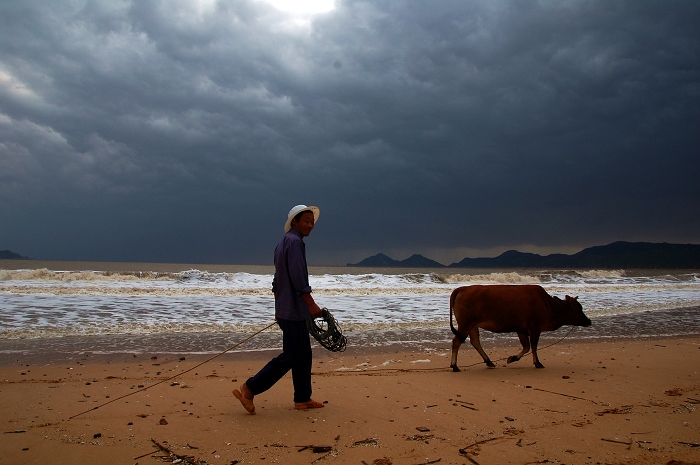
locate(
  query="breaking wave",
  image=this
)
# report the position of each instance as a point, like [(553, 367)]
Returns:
[(44, 304)]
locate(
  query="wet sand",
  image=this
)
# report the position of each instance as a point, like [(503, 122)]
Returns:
[(615, 402)]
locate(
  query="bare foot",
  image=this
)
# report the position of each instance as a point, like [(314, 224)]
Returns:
[(308, 404), (245, 396)]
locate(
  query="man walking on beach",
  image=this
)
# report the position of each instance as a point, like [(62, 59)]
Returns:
[(293, 305)]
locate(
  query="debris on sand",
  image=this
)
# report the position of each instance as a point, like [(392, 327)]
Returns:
[(616, 411), (366, 442)]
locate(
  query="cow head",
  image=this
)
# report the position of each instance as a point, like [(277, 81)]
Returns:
[(574, 313)]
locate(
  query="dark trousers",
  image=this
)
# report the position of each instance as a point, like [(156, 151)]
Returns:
[(295, 356)]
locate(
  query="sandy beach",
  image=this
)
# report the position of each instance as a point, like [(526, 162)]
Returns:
[(626, 402)]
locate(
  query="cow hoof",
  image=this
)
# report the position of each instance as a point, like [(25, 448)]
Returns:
[(490, 364), (513, 358), (539, 365), (455, 368)]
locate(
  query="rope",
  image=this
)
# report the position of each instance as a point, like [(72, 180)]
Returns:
[(545, 347), (411, 370), (328, 333), (179, 374), (331, 338)]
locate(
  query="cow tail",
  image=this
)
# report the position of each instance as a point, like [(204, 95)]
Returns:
[(452, 327)]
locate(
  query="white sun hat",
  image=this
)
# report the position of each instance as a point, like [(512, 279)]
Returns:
[(300, 208)]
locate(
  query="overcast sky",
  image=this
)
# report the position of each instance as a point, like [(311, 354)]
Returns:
[(185, 130)]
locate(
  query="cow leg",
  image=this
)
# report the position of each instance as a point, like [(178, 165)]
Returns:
[(456, 343), (525, 342), (534, 339), (474, 339)]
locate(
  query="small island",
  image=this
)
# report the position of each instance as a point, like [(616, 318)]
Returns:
[(8, 255)]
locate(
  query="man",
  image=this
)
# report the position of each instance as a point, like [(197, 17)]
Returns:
[(293, 305)]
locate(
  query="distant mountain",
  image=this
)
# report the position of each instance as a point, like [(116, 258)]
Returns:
[(7, 255), (616, 255), (419, 261), (382, 261), (640, 255), (379, 260)]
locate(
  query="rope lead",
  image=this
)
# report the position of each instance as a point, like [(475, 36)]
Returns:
[(179, 374)]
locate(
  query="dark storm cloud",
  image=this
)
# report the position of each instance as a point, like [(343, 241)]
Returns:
[(184, 131)]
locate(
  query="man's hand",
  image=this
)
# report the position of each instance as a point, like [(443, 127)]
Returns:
[(314, 309)]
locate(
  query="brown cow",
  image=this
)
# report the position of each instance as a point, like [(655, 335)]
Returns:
[(524, 309)]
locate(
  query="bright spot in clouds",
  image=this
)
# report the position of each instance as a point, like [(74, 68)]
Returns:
[(303, 7)]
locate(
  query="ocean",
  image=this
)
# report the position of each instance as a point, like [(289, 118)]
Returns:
[(102, 308)]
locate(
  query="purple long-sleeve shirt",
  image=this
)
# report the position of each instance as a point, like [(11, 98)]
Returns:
[(291, 278)]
